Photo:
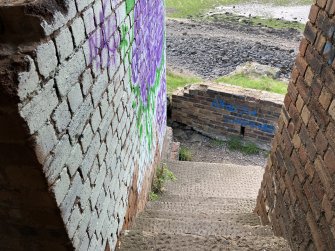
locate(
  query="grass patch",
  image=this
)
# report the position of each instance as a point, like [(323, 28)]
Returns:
[(217, 142), (185, 154), (263, 83), (277, 24), (176, 80), (195, 8), (236, 144), (163, 174), (258, 21)]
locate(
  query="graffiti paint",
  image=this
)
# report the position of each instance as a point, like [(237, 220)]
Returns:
[(243, 110), (105, 38), (251, 124)]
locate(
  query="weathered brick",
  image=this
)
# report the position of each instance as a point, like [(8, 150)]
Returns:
[(305, 115), (90, 156), (64, 44), (62, 116), (74, 160), (61, 186), (310, 32), (73, 222), (321, 143), (332, 110), (88, 17), (313, 13), (329, 160), (325, 98), (75, 97), (99, 88), (78, 31), (80, 119), (45, 141), (46, 58), (39, 109), (86, 137), (61, 154), (28, 81), (86, 81), (67, 205), (96, 120), (69, 72)]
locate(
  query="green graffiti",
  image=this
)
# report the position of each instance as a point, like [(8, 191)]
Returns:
[(130, 5), (145, 111)]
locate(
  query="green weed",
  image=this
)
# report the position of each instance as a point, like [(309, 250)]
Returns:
[(185, 154), (217, 142), (263, 83), (176, 80), (236, 144), (163, 174)]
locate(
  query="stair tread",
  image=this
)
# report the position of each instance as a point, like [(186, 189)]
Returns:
[(141, 240)]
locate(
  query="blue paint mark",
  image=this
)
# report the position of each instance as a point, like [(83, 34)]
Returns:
[(221, 104), (247, 123)]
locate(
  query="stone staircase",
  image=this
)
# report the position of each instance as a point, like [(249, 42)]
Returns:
[(209, 207)]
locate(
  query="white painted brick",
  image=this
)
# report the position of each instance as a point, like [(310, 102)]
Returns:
[(85, 194), (86, 137), (121, 13), (102, 152), (98, 185), (70, 72), (86, 81), (82, 4), (75, 159), (64, 44), (28, 81), (90, 156), (62, 116), (45, 141), (80, 119), (61, 187), (73, 222), (104, 104), (105, 124), (61, 154), (46, 58), (95, 120), (83, 225), (78, 31), (97, 7), (39, 109), (67, 205), (75, 97), (92, 224), (99, 88), (94, 171), (88, 17)]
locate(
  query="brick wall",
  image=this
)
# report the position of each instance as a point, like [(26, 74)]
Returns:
[(83, 114), (221, 111), (297, 194)]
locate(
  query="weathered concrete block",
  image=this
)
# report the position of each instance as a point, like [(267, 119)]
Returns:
[(75, 97), (46, 58), (78, 31), (64, 44), (62, 116), (39, 109)]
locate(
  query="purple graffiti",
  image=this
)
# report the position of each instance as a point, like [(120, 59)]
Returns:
[(148, 44), (106, 39), (161, 106)]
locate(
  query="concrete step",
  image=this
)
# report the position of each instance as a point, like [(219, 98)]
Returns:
[(201, 227), (208, 207), (201, 205), (139, 240), (199, 179)]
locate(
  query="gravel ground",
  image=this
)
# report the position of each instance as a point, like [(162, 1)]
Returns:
[(204, 149), (211, 49)]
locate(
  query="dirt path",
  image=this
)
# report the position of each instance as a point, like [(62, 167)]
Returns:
[(211, 48)]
